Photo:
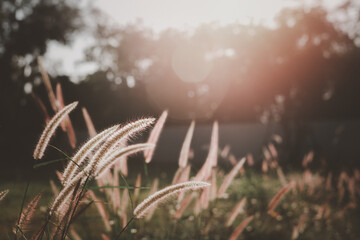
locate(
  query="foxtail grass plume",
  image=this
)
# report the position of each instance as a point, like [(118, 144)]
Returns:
[(184, 154), (54, 188), (281, 176), (65, 193), (197, 206), (89, 123), (240, 228), (99, 159), (182, 175), (211, 160), (184, 204), (250, 159), (61, 105), (328, 185), (275, 200), (70, 133), (177, 175), (105, 237), (232, 159), (41, 106), (3, 194), (153, 190), (154, 135), (214, 144), (28, 213), (84, 151), (153, 200), (137, 186), (213, 190), (50, 129), (264, 166), (117, 137), (230, 177), (235, 212), (307, 159), (273, 151), (204, 198), (225, 151), (122, 152), (123, 167), (66, 124), (47, 83)]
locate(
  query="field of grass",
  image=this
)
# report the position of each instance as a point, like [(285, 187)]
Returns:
[(96, 197), (316, 213)]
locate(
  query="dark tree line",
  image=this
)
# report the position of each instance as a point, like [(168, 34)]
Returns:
[(305, 69)]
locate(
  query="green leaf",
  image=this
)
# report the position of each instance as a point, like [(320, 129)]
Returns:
[(121, 187), (48, 162)]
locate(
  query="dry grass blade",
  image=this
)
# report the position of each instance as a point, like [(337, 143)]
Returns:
[(48, 87), (89, 123), (230, 177), (153, 200), (240, 228), (84, 151), (154, 135), (50, 129), (3, 194), (275, 200), (28, 213), (184, 154), (235, 212)]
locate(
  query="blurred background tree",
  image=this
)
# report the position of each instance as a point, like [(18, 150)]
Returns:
[(26, 27)]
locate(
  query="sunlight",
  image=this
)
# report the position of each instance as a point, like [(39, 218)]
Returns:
[(162, 14)]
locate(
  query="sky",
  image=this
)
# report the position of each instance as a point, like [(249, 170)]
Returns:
[(162, 14)]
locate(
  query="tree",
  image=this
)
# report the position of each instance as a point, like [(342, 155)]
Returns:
[(26, 26)]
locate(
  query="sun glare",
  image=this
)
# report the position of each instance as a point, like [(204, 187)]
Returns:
[(162, 14)]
